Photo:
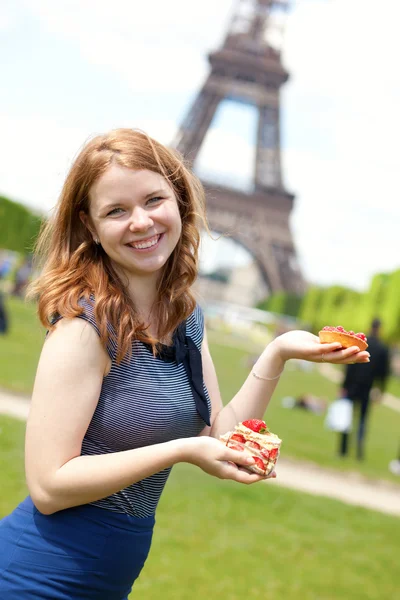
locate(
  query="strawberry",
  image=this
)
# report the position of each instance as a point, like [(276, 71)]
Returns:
[(340, 328), (273, 453), (238, 437), (235, 446), (362, 336), (252, 444), (256, 425), (265, 454), (259, 463)]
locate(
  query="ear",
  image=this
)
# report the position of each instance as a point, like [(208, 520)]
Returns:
[(84, 217)]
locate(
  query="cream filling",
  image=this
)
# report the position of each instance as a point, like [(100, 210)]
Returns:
[(264, 439)]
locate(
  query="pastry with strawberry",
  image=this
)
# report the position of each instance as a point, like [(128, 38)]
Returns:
[(254, 437), (339, 334)]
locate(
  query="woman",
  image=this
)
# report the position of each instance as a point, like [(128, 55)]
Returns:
[(125, 386)]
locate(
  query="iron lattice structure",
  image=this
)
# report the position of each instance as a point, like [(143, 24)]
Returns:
[(248, 69)]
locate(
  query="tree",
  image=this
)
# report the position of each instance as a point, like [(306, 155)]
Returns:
[(20, 226)]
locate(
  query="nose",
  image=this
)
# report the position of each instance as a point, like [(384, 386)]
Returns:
[(140, 220)]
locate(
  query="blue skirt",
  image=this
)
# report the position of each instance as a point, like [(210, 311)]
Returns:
[(81, 553)]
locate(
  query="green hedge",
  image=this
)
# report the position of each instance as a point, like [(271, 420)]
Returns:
[(282, 303), (19, 226), (337, 305), (390, 308)]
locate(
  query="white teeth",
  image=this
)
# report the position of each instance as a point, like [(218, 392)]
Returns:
[(152, 242)]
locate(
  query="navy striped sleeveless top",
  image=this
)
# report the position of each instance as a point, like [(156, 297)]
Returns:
[(148, 400)]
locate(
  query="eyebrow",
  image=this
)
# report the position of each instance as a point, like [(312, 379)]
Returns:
[(155, 193)]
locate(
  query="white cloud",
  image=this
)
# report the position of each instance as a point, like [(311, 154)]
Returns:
[(226, 158), (154, 47), (343, 55), (35, 158), (340, 106), (8, 15), (39, 152)]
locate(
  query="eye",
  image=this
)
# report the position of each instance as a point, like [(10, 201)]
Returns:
[(154, 200), (114, 211)]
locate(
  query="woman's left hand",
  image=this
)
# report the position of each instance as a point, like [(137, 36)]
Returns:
[(306, 346)]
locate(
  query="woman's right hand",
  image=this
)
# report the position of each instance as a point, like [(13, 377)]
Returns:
[(214, 458)]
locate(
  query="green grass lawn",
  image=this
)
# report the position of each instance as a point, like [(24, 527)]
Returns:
[(12, 474), (217, 539), (303, 433), (220, 540), (20, 348)]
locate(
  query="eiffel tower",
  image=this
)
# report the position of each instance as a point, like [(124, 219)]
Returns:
[(248, 69)]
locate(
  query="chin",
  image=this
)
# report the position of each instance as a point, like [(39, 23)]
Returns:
[(144, 269)]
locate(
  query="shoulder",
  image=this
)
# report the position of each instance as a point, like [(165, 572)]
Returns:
[(82, 334), (88, 313), (74, 341), (72, 330), (88, 316)]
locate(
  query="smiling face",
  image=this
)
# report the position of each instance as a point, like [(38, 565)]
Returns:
[(135, 216)]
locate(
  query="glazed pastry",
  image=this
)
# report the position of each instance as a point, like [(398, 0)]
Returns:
[(346, 338)]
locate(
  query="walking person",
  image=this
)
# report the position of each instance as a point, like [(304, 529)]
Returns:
[(3, 315), (5, 265), (125, 387), (394, 465), (358, 382)]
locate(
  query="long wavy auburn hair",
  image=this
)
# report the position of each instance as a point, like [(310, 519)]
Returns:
[(72, 266)]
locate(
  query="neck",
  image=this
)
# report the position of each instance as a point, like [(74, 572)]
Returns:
[(143, 292)]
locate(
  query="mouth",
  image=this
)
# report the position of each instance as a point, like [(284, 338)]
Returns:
[(147, 244)]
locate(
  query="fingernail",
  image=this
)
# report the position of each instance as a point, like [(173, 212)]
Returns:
[(250, 461)]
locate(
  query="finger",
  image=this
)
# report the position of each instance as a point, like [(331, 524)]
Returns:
[(243, 476), (269, 476), (331, 347), (354, 354), (359, 357), (343, 354), (238, 457)]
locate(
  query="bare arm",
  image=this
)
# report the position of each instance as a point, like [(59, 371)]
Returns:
[(66, 392), (253, 398)]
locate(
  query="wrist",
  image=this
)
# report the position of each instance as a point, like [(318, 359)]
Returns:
[(186, 449), (270, 365), (276, 350)]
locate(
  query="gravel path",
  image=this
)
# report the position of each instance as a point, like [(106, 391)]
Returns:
[(351, 488)]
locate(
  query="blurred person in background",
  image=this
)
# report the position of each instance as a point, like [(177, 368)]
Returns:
[(6, 263), (5, 266), (358, 383), (3, 315), (22, 277), (394, 465), (125, 386)]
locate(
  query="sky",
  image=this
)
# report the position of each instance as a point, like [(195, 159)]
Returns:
[(74, 68)]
